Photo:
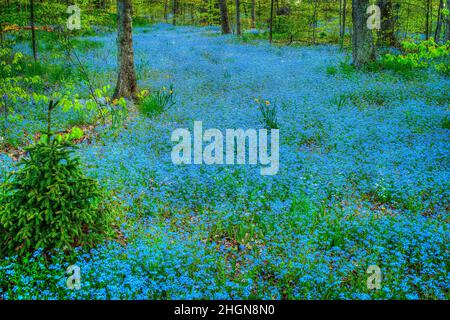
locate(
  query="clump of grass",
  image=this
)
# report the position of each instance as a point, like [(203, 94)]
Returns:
[(86, 44), (153, 104), (373, 97), (369, 97), (339, 101), (331, 70), (52, 73), (268, 113), (445, 123)]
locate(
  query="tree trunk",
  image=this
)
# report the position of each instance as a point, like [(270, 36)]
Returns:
[(447, 31), (174, 12), (387, 31), (362, 40), (126, 82), (166, 5), (437, 33), (314, 26), (238, 18), (344, 17), (427, 19), (224, 21), (252, 14), (33, 31), (271, 21)]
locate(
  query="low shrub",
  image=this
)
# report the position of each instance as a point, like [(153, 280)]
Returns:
[(48, 202), (268, 113), (157, 102)]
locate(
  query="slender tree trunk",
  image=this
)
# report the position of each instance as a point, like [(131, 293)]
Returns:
[(387, 31), (174, 12), (362, 40), (210, 13), (33, 31), (271, 21), (126, 82), (447, 31), (252, 14), (238, 18), (437, 33), (344, 17), (340, 19), (166, 5), (314, 22), (224, 21), (427, 19)]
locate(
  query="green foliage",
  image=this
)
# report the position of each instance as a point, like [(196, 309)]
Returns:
[(339, 100), (118, 113), (36, 269), (157, 102), (346, 68), (85, 45), (419, 56), (48, 202), (331, 70), (445, 123), (76, 133), (268, 113)]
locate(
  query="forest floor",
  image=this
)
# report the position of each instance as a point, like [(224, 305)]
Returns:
[(363, 179)]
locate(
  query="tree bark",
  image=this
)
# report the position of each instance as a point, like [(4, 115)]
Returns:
[(174, 12), (252, 14), (427, 19), (314, 26), (224, 21), (166, 5), (344, 17), (238, 18), (437, 33), (362, 40), (126, 82), (271, 21), (33, 31), (387, 31), (447, 31)]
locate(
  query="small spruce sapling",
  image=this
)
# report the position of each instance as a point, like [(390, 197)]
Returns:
[(48, 203)]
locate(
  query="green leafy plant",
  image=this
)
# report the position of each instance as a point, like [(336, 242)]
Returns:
[(268, 114), (157, 102), (48, 202), (419, 56), (118, 112), (331, 70), (76, 133), (445, 123)]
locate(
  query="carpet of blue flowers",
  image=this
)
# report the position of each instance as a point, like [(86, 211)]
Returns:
[(363, 180)]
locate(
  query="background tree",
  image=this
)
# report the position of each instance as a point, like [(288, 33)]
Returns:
[(447, 31), (224, 21), (362, 38), (33, 31), (437, 33), (343, 17), (252, 14), (387, 31), (271, 21), (428, 21), (126, 82), (238, 18)]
